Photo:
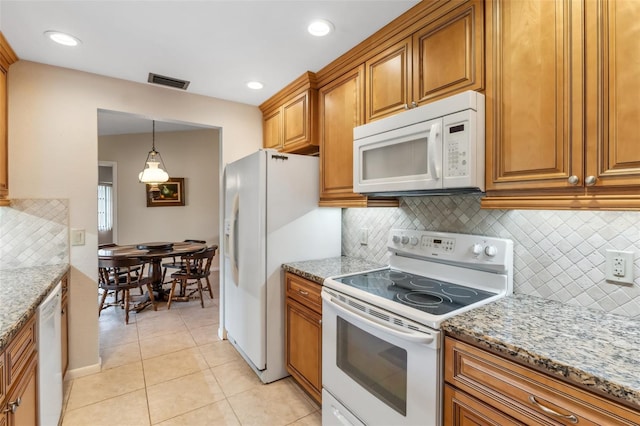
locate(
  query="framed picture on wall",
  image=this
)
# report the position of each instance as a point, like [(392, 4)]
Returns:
[(167, 194)]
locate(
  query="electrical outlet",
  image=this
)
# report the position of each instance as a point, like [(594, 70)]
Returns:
[(619, 266), (364, 236)]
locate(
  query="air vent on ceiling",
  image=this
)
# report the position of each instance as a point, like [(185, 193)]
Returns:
[(168, 81)]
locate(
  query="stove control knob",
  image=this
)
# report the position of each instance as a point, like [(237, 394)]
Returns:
[(414, 241), (476, 249), (490, 251), (405, 239), (396, 239)]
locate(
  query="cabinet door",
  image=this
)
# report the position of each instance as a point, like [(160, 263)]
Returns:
[(613, 153), (449, 54), (304, 347), (26, 390), (4, 165), (534, 94), (64, 336), (272, 128), (341, 109), (388, 81), (296, 122)]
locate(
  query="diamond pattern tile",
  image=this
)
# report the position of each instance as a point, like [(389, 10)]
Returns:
[(559, 255), (34, 232)]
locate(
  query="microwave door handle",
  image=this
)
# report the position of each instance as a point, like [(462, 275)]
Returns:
[(433, 142), (354, 314)]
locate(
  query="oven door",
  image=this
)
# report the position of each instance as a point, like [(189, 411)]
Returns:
[(376, 371)]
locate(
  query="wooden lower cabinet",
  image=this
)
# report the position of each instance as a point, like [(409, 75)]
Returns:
[(25, 395), (303, 319), (65, 324), (18, 378), (482, 388)]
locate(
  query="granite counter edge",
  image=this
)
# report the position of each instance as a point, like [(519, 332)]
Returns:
[(31, 308), (563, 372)]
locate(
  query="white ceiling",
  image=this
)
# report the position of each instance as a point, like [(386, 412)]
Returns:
[(217, 45)]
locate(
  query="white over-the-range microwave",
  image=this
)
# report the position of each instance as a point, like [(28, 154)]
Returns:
[(437, 148)]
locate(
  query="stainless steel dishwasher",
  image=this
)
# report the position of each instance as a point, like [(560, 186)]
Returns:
[(50, 359)]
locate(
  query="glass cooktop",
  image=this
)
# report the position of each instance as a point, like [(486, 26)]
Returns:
[(426, 294)]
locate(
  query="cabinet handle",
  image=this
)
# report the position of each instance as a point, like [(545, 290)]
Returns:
[(573, 180), (570, 417), (590, 180), (304, 293), (13, 406)]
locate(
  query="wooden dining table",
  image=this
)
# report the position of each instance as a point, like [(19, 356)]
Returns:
[(153, 252)]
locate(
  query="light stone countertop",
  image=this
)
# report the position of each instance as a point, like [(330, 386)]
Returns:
[(21, 292), (318, 270), (592, 349)]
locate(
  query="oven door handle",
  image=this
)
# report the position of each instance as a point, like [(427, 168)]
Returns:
[(401, 333)]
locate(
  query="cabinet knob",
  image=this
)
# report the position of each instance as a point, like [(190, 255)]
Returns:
[(573, 180), (414, 104), (590, 180), (13, 406)]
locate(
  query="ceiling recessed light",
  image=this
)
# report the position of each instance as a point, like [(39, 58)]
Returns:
[(62, 38), (255, 85), (320, 27)]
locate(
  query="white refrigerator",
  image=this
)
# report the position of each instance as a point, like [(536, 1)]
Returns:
[(271, 217)]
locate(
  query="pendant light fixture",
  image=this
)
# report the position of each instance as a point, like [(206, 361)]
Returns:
[(152, 173)]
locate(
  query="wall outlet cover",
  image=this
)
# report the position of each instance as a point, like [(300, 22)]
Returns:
[(619, 266)]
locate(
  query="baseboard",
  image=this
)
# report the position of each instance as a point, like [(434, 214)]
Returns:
[(84, 371)]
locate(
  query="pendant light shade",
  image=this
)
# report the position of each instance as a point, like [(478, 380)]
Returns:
[(153, 172)]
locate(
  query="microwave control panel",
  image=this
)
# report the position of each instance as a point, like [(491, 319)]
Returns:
[(456, 149)]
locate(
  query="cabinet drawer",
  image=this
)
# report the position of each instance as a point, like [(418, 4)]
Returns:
[(527, 395), (19, 351), (462, 409), (304, 291)]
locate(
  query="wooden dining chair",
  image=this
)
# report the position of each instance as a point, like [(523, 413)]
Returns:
[(197, 268), (177, 262), (117, 274)]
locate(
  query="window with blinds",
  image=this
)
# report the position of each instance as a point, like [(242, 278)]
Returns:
[(105, 207)]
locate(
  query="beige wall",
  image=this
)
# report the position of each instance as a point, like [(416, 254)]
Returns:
[(192, 155), (53, 153)]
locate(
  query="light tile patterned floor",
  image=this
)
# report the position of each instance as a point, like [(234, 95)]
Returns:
[(169, 368)]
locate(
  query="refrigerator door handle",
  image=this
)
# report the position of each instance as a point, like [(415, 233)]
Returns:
[(233, 239)]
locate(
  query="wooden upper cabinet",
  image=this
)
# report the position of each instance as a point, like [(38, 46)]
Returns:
[(7, 57), (534, 94), (562, 114), (448, 54), (272, 129), (388, 81), (290, 117), (341, 109), (613, 125), (443, 57)]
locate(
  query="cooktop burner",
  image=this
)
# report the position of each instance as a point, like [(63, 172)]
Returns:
[(426, 294)]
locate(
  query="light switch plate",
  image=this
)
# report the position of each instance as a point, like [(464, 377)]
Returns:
[(77, 237), (619, 266)]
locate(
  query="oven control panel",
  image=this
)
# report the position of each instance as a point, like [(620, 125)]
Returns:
[(476, 251)]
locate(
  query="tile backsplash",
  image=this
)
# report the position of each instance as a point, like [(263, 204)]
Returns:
[(34, 232), (559, 255)]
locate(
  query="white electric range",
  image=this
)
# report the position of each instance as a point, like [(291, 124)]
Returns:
[(382, 361)]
